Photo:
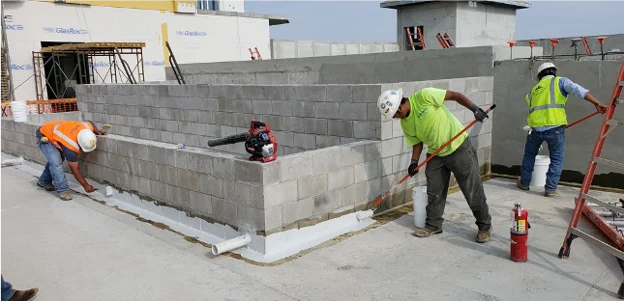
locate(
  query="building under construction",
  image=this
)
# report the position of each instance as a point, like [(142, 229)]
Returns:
[(49, 47), (330, 214)]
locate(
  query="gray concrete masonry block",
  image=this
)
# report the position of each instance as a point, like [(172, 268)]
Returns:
[(248, 171), (366, 93), (341, 128), (339, 93), (329, 110), (305, 141), (303, 109), (340, 178), (367, 130), (297, 210), (282, 108), (250, 217), (314, 93), (224, 209), (243, 193), (280, 193), (353, 111), (326, 141), (315, 126)]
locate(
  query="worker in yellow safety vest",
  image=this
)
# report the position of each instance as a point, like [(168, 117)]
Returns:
[(425, 120), (547, 120), (60, 140)]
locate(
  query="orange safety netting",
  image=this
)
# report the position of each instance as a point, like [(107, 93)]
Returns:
[(35, 107)]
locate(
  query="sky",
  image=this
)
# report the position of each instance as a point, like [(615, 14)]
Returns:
[(365, 21)]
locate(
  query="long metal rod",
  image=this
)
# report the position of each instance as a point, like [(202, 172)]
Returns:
[(176, 69), (598, 243)]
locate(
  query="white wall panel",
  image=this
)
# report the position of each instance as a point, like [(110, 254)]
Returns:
[(193, 38)]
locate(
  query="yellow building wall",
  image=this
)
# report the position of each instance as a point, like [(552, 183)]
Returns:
[(162, 5)]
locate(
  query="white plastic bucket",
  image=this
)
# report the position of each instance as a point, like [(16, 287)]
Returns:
[(419, 197), (20, 111), (539, 171)]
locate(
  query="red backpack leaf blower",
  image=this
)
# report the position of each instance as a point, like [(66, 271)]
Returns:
[(259, 142)]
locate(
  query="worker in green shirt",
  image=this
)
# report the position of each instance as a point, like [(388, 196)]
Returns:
[(425, 120)]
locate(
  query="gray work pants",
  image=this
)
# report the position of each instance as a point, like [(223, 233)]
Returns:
[(463, 163)]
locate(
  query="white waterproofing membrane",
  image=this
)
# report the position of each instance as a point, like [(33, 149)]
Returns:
[(261, 249)]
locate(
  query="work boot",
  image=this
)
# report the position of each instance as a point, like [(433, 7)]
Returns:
[(66, 196), (427, 231), (484, 235), (550, 193), (48, 187), (24, 295), (521, 186)]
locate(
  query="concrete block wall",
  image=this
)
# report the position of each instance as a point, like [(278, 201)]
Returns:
[(217, 187), (294, 191), (286, 49), (314, 186), (301, 117)]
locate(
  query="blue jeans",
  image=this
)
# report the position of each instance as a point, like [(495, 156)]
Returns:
[(7, 290), (54, 168), (555, 138)]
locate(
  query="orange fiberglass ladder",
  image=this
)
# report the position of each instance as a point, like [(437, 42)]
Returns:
[(420, 42), (445, 41), (609, 221)]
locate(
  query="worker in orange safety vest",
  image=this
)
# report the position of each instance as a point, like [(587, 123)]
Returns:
[(60, 140)]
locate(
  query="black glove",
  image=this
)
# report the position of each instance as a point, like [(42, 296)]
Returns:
[(479, 114), (411, 170)]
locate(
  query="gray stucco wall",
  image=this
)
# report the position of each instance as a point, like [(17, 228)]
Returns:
[(374, 68), (513, 79), (287, 49)]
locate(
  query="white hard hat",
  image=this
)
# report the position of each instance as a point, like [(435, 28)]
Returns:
[(545, 66), (389, 102), (87, 140)]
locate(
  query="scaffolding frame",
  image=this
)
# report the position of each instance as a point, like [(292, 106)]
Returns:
[(119, 71)]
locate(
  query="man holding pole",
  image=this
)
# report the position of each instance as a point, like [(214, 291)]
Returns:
[(426, 120), (547, 120)]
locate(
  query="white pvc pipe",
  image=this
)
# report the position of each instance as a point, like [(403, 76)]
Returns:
[(231, 244), (364, 214)]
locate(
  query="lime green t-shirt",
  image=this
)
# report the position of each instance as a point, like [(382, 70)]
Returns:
[(431, 122)]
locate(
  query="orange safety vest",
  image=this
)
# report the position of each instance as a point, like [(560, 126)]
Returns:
[(65, 133)]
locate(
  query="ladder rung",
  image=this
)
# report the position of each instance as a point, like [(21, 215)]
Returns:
[(603, 204), (598, 243), (619, 100), (614, 124), (609, 162), (621, 83)]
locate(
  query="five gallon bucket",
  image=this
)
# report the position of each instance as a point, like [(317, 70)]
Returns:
[(20, 110), (539, 171), (419, 196)]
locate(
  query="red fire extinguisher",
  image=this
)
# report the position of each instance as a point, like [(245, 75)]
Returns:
[(519, 233)]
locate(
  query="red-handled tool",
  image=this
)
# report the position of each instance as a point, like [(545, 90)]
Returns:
[(583, 119), (380, 199)]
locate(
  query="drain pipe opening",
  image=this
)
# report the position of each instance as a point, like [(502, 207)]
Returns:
[(231, 244)]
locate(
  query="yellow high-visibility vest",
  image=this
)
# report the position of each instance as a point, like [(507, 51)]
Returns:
[(546, 104)]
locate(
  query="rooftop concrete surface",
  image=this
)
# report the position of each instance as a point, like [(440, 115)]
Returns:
[(81, 250)]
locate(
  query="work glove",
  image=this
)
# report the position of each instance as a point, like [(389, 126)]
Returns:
[(479, 114), (411, 170)]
